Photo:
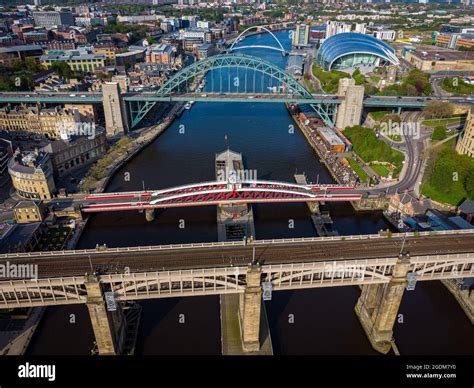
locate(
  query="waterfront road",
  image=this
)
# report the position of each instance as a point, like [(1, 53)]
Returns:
[(212, 255), (413, 145)]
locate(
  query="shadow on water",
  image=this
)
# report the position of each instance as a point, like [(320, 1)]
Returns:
[(318, 322), (199, 226), (57, 334), (431, 322), (180, 326)]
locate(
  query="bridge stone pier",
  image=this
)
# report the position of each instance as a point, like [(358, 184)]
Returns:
[(250, 309), (109, 326), (115, 112), (378, 305), (349, 112), (150, 214)]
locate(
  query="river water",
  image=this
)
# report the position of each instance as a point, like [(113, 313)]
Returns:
[(317, 321)]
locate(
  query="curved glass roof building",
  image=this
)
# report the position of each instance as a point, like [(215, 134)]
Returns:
[(352, 49)]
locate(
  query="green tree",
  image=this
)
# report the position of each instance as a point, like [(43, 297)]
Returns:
[(358, 77), (444, 170), (63, 69), (438, 110)]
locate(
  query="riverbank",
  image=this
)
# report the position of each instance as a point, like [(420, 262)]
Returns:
[(341, 173), (144, 138), (18, 341), (462, 296), (307, 134)]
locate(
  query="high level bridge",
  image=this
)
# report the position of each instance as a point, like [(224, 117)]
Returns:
[(102, 278)]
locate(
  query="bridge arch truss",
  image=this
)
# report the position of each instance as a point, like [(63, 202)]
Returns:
[(236, 41), (229, 279), (216, 62), (241, 61)]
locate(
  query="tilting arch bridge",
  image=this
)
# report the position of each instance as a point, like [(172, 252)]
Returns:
[(280, 47)]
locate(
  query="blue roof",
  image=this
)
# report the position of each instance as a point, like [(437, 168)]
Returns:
[(347, 43)]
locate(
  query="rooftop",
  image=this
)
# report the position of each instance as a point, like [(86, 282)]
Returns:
[(60, 145), (467, 207), (330, 136), (27, 204), (22, 48), (420, 206), (443, 55), (350, 43), (162, 48), (28, 162), (18, 236)]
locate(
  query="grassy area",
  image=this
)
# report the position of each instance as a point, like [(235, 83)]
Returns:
[(329, 79), (427, 42), (439, 133), (449, 177), (453, 197), (395, 137), (443, 122), (363, 176), (378, 116), (375, 78), (371, 149), (380, 169), (457, 86)]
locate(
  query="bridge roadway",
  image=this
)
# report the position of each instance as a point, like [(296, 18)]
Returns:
[(150, 96), (237, 254), (216, 193)]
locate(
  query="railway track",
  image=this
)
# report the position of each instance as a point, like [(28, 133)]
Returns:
[(106, 262)]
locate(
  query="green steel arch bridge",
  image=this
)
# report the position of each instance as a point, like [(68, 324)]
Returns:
[(259, 81), (271, 83)]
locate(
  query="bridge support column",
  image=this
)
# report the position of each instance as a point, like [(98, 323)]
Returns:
[(378, 305), (108, 326), (349, 112), (116, 117), (250, 309), (150, 214)]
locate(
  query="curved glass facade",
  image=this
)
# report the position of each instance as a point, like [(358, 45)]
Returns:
[(350, 49)]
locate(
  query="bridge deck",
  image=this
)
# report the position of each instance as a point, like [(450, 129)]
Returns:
[(96, 98), (77, 263)]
